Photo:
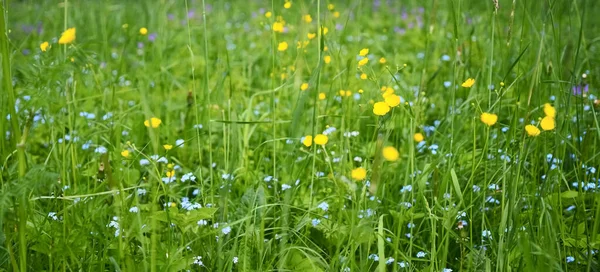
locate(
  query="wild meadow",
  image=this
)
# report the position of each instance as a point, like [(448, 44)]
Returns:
[(288, 135)]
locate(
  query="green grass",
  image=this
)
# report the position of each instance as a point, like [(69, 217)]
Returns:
[(86, 186)]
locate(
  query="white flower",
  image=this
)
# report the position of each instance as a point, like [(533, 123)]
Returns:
[(421, 254), (188, 176), (198, 261), (101, 150), (179, 142), (323, 206), (226, 230), (144, 162), (134, 209), (235, 260), (285, 187), (570, 259), (315, 222), (202, 222), (53, 216)]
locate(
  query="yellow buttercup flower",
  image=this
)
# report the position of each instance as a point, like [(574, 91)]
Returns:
[(468, 83), (170, 173), (381, 108), (382, 60), (359, 173), (311, 35), (489, 118), (392, 100), (282, 46), (549, 110), (418, 137), (268, 14), (278, 27), (307, 140), (390, 153), (307, 18), (143, 31), (153, 122), (363, 62), (327, 59), (330, 6), (548, 123), (532, 130), (287, 4), (322, 96), (321, 139), (125, 153), (363, 76), (167, 147), (44, 46), (363, 52), (67, 37), (304, 86)]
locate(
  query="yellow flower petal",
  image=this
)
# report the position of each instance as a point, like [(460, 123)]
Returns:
[(67, 37), (468, 83), (489, 118), (390, 153), (359, 173), (321, 139), (381, 108), (548, 123), (153, 122), (532, 130)]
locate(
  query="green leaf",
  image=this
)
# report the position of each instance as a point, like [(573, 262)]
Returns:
[(569, 194)]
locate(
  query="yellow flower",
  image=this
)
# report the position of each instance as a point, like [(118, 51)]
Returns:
[(360, 91), (330, 6), (268, 14), (311, 35), (67, 37), (168, 147), (392, 100), (549, 110), (307, 18), (321, 139), (287, 4), (381, 108), (388, 91), (278, 27), (325, 48), (143, 31), (362, 62), (363, 52), (336, 14), (153, 122), (327, 59), (363, 76), (501, 83), (359, 173), (390, 153), (322, 96), (325, 30), (489, 118), (382, 60), (532, 130), (468, 83), (170, 173), (44, 46), (282, 46), (304, 86), (418, 137), (125, 153), (548, 123), (307, 140)]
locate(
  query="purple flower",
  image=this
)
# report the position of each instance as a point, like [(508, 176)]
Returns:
[(190, 14), (152, 37), (170, 16), (339, 26), (140, 45), (26, 51), (579, 89)]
